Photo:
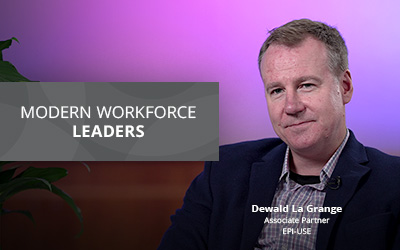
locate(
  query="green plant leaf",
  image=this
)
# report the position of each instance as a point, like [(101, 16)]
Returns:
[(86, 165), (7, 43), (8, 73), (71, 203), (14, 38), (24, 212), (2, 163), (6, 175), (49, 174), (36, 178), (17, 185)]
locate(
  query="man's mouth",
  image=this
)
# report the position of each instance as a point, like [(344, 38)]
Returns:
[(297, 124)]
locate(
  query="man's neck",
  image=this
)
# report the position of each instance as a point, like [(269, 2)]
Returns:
[(305, 165)]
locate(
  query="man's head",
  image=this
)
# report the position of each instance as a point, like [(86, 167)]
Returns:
[(306, 90), (294, 32)]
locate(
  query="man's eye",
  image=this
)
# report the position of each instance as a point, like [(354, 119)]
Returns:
[(276, 91), (306, 85)]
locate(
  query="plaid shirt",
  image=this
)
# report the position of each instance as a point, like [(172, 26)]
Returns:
[(291, 193)]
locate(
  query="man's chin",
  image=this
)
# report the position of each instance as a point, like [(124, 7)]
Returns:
[(302, 144)]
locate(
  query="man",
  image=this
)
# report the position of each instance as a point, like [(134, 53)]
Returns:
[(316, 187)]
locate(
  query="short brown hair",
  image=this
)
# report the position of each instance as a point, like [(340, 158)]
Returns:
[(296, 31)]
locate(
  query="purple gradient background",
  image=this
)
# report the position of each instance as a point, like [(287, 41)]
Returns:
[(121, 40)]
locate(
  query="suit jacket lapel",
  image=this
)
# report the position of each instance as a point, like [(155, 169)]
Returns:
[(262, 184), (351, 171)]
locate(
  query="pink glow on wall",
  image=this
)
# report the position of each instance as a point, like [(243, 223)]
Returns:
[(208, 40)]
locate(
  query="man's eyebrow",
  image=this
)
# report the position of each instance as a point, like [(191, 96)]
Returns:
[(272, 85), (301, 79)]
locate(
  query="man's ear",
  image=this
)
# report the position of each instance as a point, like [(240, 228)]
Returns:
[(346, 85)]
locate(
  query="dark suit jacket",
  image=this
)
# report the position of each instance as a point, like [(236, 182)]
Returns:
[(217, 207)]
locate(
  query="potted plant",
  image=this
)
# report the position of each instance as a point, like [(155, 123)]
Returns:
[(8, 73), (16, 177)]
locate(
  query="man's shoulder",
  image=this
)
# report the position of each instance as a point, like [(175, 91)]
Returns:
[(372, 157), (384, 169), (379, 158), (249, 150)]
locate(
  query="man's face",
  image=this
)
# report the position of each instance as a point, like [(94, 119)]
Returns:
[(305, 99)]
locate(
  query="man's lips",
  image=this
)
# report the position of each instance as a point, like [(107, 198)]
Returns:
[(297, 124)]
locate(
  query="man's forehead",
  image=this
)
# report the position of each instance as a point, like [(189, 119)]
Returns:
[(279, 58)]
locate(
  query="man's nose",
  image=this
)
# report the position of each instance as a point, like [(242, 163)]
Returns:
[(293, 103)]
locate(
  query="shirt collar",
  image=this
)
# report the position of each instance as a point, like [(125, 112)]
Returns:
[(328, 168)]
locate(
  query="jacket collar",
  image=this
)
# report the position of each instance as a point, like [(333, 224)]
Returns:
[(351, 169), (263, 181)]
